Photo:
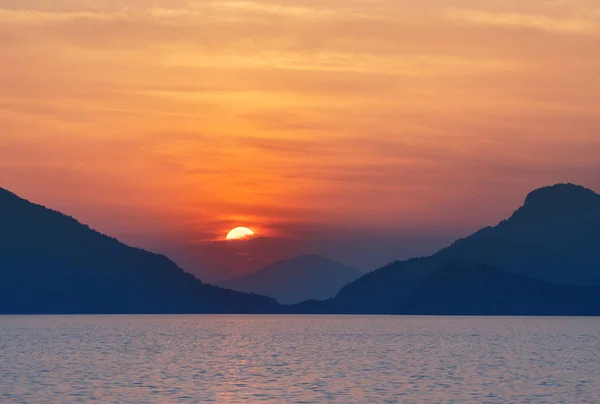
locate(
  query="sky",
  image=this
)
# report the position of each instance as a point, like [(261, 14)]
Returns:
[(365, 130)]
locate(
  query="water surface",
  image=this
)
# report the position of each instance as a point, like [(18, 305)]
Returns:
[(287, 359)]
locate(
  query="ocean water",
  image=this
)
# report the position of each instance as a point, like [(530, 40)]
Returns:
[(293, 359)]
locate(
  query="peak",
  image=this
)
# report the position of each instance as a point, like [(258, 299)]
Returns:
[(557, 202), (313, 260), (305, 260), (563, 196), (310, 257)]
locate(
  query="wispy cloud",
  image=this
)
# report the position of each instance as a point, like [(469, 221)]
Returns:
[(411, 65), (590, 26), (196, 114)]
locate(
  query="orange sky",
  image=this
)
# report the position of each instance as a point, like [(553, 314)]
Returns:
[(177, 120)]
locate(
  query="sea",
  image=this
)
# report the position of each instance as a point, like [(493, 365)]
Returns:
[(298, 359)]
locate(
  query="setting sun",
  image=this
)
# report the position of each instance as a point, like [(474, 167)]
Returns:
[(239, 233), (242, 200)]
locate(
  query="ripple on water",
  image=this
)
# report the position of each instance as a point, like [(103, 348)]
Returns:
[(230, 359)]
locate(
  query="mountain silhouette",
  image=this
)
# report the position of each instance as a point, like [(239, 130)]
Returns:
[(464, 288), (544, 259), (295, 280), (50, 263), (554, 238)]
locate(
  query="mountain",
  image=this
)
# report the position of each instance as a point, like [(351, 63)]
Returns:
[(50, 263), (544, 259), (553, 238), (465, 288), (298, 279)]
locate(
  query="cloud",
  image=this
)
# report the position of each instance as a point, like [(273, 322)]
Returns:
[(526, 20), (277, 9), (302, 117), (338, 62)]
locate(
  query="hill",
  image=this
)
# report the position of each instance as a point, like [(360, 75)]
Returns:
[(51, 263), (553, 238), (463, 288), (298, 279)]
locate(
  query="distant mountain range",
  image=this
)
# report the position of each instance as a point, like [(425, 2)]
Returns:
[(50, 263), (545, 259), (295, 280)]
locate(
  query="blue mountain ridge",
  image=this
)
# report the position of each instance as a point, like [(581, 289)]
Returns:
[(543, 260)]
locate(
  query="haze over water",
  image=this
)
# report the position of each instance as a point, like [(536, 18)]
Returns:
[(230, 359)]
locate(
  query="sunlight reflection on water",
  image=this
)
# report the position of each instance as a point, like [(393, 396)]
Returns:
[(231, 359)]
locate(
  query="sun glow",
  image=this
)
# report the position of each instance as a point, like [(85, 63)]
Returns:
[(239, 233)]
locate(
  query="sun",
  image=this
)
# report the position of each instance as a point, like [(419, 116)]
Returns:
[(239, 233)]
